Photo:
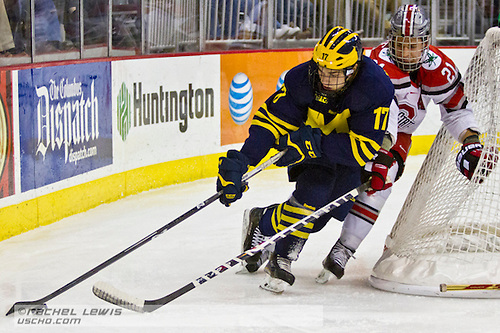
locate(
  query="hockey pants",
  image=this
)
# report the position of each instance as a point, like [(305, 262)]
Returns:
[(315, 187), (363, 214)]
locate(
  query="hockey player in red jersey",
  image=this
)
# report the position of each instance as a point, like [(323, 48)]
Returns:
[(331, 114), (420, 73)]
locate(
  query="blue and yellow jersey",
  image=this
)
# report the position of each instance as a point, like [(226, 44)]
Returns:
[(353, 126)]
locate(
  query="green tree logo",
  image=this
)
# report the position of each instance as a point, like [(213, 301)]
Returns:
[(123, 112)]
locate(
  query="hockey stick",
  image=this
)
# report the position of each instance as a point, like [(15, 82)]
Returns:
[(112, 295), (463, 287), (40, 303)]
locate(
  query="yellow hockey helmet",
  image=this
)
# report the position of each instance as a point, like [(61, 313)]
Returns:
[(338, 49)]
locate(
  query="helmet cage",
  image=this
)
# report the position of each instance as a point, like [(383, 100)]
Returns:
[(321, 85), (408, 53), (335, 79)]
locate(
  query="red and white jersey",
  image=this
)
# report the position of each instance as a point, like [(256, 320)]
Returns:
[(439, 80)]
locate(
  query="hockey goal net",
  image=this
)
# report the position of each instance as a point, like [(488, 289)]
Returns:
[(446, 239)]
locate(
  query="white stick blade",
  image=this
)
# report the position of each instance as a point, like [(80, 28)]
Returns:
[(108, 293)]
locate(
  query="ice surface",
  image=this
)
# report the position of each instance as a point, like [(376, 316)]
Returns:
[(41, 261)]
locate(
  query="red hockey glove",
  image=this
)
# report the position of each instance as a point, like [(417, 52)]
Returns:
[(381, 164)]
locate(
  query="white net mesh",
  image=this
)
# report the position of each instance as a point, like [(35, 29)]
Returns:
[(448, 230)]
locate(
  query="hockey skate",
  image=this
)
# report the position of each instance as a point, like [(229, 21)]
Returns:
[(278, 274), (334, 263), (253, 237)]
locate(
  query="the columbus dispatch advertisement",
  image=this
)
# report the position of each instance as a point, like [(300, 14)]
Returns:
[(64, 122)]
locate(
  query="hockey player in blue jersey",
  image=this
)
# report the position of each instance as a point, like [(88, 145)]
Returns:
[(331, 113)]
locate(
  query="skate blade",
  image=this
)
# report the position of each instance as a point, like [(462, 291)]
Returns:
[(324, 276), (243, 269), (274, 285)]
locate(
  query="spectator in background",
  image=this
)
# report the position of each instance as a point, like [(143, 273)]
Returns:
[(294, 19), (126, 23), (370, 11), (95, 25), (70, 17), (254, 25), (47, 27), (67, 14), (18, 12), (6, 38), (226, 16), (296, 13)]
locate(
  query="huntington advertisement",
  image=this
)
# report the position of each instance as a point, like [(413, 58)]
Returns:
[(64, 122), (165, 109)]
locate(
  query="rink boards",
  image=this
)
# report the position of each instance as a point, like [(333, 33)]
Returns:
[(74, 135)]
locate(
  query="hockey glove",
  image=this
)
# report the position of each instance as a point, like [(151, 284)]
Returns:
[(231, 170), (377, 173), (468, 158), (304, 143)]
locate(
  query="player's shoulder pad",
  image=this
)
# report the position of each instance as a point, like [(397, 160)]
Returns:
[(297, 76), (297, 82), (436, 60), (373, 82), (438, 70)]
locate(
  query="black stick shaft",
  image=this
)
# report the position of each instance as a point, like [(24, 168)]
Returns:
[(40, 302)]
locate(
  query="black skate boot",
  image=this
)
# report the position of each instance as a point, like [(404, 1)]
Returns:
[(278, 274), (334, 263), (253, 237)]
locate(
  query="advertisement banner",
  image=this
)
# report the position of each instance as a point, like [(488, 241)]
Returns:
[(6, 136), (64, 122), (262, 72), (165, 109)]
